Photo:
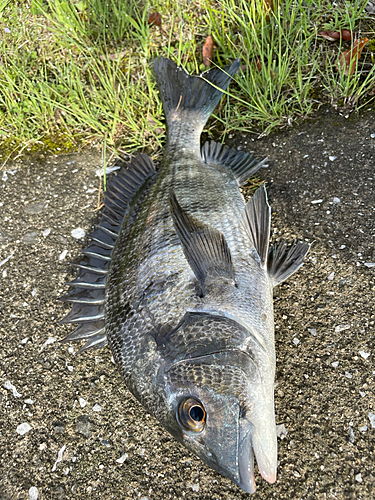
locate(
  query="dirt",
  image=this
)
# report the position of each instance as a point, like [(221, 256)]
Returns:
[(320, 185)]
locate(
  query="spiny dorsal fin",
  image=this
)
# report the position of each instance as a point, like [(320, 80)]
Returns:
[(284, 260), (205, 247), (242, 164), (88, 296), (257, 221)]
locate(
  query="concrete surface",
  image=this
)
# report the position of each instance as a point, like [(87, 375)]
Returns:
[(320, 184)]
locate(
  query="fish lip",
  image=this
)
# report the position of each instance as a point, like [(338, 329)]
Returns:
[(247, 448), (246, 460)]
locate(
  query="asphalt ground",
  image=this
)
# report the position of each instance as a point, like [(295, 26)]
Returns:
[(86, 436)]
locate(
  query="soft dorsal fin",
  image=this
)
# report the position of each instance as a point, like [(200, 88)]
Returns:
[(257, 221), (284, 260), (88, 295), (205, 248), (243, 165)]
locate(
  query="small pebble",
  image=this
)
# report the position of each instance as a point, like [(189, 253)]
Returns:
[(29, 401), (312, 331), (8, 385), (281, 431), (331, 276), (59, 457), (335, 364), (34, 208), (364, 354), (332, 158), (358, 478), (63, 254), (336, 200), (30, 237), (33, 493), (371, 417), (342, 247), (97, 407), (340, 328), (370, 264), (348, 375), (23, 428), (82, 402), (363, 428), (195, 487), (78, 233), (122, 459), (314, 202), (295, 341)]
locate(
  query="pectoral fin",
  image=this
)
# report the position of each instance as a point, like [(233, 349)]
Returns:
[(257, 221), (205, 248), (284, 260)]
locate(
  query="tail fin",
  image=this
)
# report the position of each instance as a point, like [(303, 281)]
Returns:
[(181, 92)]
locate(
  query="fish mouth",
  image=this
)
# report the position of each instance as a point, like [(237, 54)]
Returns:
[(265, 450)]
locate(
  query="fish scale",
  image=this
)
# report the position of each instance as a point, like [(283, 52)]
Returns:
[(178, 281)]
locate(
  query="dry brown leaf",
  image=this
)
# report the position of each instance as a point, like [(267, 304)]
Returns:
[(207, 51), (348, 60), (333, 36), (154, 19)]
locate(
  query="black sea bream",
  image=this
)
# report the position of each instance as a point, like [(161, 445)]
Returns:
[(178, 282)]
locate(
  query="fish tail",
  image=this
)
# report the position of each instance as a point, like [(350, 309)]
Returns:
[(188, 97)]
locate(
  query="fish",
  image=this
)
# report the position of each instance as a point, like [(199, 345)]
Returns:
[(178, 281)]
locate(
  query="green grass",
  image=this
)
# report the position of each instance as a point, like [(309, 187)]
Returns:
[(79, 72)]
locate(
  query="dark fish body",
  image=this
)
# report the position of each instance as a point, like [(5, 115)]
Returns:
[(178, 281)]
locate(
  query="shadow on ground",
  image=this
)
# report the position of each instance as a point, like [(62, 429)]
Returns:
[(320, 183)]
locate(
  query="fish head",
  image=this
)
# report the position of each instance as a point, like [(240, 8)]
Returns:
[(220, 408)]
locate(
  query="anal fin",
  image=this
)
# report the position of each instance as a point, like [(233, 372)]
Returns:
[(205, 248), (257, 221), (284, 260), (243, 165)]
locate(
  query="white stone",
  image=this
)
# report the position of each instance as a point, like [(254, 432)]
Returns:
[(23, 428), (336, 200), (82, 402), (63, 254), (46, 232), (331, 276), (314, 202), (8, 385), (358, 478), (122, 459), (335, 364), (59, 457), (340, 328), (364, 354), (33, 493), (78, 233), (371, 417), (332, 158), (97, 407)]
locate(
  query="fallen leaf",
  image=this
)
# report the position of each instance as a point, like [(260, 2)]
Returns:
[(333, 36), (207, 51), (154, 19), (348, 60)]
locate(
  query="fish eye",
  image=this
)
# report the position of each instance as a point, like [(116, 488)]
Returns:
[(192, 415)]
